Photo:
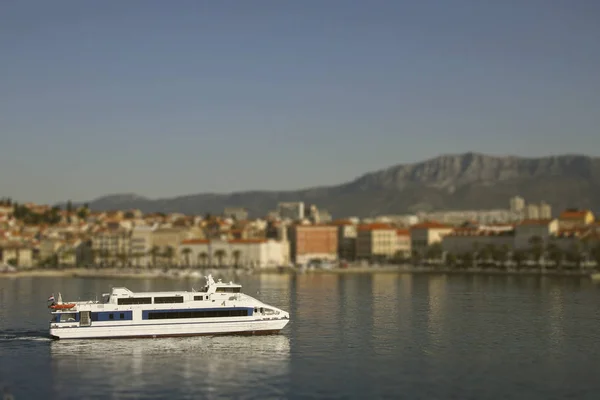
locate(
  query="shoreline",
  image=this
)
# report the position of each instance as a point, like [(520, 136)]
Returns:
[(199, 274)]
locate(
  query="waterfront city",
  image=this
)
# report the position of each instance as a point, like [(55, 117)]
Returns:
[(296, 236)]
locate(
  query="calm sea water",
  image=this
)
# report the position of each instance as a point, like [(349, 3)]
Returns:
[(351, 336)]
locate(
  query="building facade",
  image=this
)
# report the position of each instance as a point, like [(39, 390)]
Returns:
[(426, 234), (236, 213), (291, 210), (376, 242), (572, 218), (239, 253), (538, 228), (313, 242)]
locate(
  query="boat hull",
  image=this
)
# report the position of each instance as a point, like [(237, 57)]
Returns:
[(261, 327)]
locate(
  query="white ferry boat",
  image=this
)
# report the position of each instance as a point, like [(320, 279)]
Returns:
[(219, 309)]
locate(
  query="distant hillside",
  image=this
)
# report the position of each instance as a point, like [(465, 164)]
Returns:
[(448, 182)]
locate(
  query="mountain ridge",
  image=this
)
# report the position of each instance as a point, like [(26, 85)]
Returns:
[(449, 181)]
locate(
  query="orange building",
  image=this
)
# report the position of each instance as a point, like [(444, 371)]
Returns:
[(313, 242), (575, 218)]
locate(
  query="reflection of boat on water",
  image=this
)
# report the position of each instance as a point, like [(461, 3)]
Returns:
[(198, 367), (277, 346), (219, 309)]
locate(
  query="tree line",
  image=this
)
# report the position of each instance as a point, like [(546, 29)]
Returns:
[(538, 254), (51, 216)]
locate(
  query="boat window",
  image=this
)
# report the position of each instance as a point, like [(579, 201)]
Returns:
[(110, 316), (68, 317), (228, 290), (198, 298), (197, 314), (134, 300), (122, 316), (167, 300)]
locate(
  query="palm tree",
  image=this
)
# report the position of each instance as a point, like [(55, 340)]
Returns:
[(416, 257), (469, 259), (434, 251), (123, 258), (154, 253), (574, 254), (104, 254), (67, 255), (236, 258), (169, 253), (136, 258), (220, 254), (451, 260), (555, 254), (595, 253), (519, 257), (203, 258), (186, 254), (487, 253), (537, 247), (501, 254)]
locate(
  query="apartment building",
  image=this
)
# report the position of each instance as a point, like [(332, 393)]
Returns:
[(517, 204), (376, 241), (573, 218), (291, 210), (403, 246), (541, 228), (111, 247), (463, 240), (240, 253), (313, 242), (236, 213), (16, 254), (426, 234), (141, 245), (545, 210), (347, 234)]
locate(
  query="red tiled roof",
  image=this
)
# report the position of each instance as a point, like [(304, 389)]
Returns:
[(298, 226), (475, 232), (247, 241), (374, 227), (574, 214), (195, 241), (430, 225), (403, 232), (536, 222), (341, 222)]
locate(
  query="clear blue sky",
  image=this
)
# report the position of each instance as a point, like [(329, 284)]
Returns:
[(163, 98)]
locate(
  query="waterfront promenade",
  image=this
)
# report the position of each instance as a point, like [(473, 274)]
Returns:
[(354, 269)]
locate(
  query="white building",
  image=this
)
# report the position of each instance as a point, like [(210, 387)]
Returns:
[(541, 228), (532, 211), (291, 210), (426, 234), (141, 244), (545, 210), (463, 240), (256, 253), (517, 204)]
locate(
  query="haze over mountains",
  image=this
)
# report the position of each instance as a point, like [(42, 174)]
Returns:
[(448, 182)]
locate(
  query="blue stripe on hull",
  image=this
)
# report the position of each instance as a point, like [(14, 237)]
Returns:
[(240, 333), (171, 323)]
